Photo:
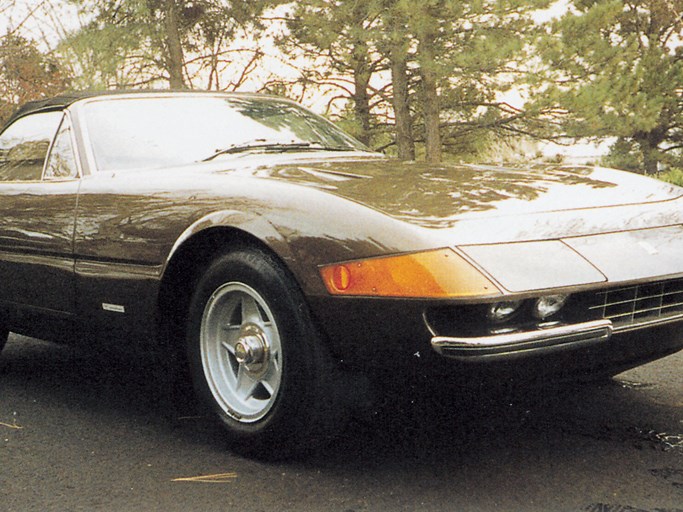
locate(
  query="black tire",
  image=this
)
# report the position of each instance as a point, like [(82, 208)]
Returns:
[(4, 334), (249, 328)]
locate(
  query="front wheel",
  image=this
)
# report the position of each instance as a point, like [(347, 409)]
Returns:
[(256, 358)]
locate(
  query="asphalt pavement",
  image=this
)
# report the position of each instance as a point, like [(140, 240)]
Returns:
[(95, 430)]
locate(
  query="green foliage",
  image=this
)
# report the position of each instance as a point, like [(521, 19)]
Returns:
[(673, 175), (403, 75), (623, 154), (616, 67), (144, 43), (26, 74), (476, 50), (473, 50)]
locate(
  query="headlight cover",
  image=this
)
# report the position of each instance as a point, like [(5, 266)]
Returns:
[(500, 312), (440, 273), (547, 306)]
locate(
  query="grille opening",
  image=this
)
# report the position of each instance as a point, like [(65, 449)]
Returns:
[(632, 305)]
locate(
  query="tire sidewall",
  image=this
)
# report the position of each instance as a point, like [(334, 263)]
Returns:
[(4, 334), (259, 270)]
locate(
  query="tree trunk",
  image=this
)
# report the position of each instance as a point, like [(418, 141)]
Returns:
[(430, 108), (404, 128), (174, 49), (361, 98), (649, 142), (360, 64), (650, 160), (429, 97)]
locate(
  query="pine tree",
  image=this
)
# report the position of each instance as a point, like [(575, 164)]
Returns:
[(617, 68), (133, 43)]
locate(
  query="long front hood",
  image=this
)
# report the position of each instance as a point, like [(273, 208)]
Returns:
[(441, 196), (529, 229)]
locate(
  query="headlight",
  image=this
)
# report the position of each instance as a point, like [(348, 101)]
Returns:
[(440, 273), (503, 311), (546, 307)]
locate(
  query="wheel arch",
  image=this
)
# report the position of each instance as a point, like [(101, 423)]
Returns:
[(199, 244)]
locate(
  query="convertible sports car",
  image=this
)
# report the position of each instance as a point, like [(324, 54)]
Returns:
[(282, 256)]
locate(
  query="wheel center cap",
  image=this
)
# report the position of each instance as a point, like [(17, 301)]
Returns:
[(250, 349)]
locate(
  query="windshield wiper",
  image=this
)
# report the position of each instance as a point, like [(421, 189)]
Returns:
[(261, 144)]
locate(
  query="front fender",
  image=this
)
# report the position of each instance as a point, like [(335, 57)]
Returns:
[(247, 222)]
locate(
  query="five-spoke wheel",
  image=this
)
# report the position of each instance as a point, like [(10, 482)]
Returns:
[(241, 352), (256, 358)]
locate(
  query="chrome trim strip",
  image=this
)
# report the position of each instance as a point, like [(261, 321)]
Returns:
[(66, 118), (649, 323), (509, 346)]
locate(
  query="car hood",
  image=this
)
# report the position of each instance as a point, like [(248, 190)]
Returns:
[(530, 228), (439, 196)]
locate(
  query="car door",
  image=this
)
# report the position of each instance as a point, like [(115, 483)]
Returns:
[(38, 197)]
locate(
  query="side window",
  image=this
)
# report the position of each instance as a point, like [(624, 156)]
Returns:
[(61, 163), (24, 145)]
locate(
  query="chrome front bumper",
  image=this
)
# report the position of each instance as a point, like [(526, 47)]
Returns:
[(522, 344)]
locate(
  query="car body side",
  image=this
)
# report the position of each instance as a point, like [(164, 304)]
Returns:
[(92, 252)]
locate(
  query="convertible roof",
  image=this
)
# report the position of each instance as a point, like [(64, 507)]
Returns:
[(56, 103), (64, 100)]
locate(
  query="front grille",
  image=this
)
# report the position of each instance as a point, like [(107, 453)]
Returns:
[(630, 306)]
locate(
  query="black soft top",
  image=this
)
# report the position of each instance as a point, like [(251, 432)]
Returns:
[(56, 103), (64, 100)]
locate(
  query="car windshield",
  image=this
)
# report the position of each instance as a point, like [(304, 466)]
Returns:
[(137, 133)]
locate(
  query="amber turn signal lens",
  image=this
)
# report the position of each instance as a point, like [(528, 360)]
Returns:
[(341, 277), (440, 273)]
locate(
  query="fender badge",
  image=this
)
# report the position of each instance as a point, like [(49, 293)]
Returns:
[(116, 308)]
